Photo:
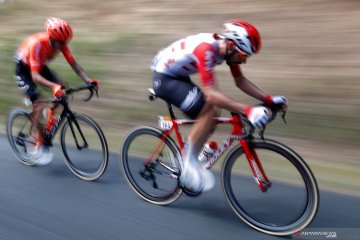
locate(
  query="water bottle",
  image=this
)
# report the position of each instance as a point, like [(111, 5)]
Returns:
[(208, 151)]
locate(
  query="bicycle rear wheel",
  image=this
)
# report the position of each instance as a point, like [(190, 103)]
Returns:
[(289, 204), (151, 165), (85, 148), (21, 133)]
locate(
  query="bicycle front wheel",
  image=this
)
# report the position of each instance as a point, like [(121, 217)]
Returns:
[(22, 136), (291, 201), (84, 147), (151, 165)]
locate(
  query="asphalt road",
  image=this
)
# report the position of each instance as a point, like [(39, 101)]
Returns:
[(51, 203)]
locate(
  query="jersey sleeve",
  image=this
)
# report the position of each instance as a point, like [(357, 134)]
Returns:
[(67, 54), (34, 58), (205, 54)]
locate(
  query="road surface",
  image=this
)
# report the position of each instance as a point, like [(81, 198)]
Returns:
[(51, 203)]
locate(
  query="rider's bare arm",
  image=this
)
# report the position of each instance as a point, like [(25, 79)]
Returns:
[(249, 88), (245, 85), (74, 65), (79, 71)]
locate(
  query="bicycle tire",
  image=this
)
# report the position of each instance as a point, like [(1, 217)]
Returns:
[(143, 180), (87, 163), (254, 215), (20, 135)]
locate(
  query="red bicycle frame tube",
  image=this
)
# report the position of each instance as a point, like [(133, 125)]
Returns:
[(163, 137), (255, 164)]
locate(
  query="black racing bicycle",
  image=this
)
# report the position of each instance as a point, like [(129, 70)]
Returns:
[(82, 141)]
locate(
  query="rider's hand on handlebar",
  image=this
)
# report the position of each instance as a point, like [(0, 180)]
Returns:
[(279, 102), (57, 90), (258, 116), (94, 83)]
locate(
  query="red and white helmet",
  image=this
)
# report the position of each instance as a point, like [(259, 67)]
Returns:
[(245, 36), (58, 29)]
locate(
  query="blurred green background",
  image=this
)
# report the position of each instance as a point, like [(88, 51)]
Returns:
[(310, 54)]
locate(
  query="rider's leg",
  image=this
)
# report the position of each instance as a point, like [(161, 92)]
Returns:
[(204, 127), (27, 86), (35, 117), (53, 77), (194, 175), (38, 107), (43, 146), (184, 94)]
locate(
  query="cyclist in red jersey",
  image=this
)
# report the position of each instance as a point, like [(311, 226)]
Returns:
[(201, 53), (31, 68)]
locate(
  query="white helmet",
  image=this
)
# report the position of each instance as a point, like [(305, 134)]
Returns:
[(244, 35)]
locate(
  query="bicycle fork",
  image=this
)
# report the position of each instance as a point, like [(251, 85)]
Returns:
[(85, 144), (259, 173)]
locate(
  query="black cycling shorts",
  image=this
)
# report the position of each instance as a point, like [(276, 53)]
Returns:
[(25, 82), (180, 92)]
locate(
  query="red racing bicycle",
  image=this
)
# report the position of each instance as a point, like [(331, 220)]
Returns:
[(282, 200)]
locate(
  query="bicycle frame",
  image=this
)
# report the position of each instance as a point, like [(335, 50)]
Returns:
[(66, 113), (238, 133)]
